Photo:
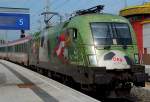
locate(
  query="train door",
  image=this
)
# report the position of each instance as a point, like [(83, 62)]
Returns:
[(72, 48), (34, 50)]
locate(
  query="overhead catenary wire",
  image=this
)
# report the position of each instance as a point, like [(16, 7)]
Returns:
[(61, 4)]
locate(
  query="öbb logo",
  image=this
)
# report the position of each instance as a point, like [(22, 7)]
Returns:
[(117, 59)]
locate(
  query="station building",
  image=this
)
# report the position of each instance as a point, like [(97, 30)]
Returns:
[(139, 17)]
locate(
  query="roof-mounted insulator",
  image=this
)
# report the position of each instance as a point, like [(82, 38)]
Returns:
[(96, 9)]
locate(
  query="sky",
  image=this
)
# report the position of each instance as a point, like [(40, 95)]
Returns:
[(64, 7)]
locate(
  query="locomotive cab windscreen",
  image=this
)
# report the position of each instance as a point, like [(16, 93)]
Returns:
[(111, 34), (116, 38)]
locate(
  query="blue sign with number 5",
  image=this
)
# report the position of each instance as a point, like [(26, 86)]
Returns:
[(13, 21)]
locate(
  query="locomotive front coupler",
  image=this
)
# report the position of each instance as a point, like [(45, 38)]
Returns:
[(125, 85)]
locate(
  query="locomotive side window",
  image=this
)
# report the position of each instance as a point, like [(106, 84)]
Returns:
[(73, 33)]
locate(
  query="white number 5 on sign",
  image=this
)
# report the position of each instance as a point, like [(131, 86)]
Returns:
[(21, 21)]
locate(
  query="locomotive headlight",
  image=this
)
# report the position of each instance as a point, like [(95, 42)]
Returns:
[(93, 59), (136, 58)]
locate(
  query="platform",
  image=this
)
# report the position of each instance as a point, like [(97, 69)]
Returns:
[(147, 69), (18, 84)]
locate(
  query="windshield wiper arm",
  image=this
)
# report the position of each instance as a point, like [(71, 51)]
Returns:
[(107, 37)]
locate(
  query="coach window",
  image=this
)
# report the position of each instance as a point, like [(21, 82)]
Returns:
[(17, 48), (9, 48), (13, 48), (22, 46), (3, 49), (42, 41)]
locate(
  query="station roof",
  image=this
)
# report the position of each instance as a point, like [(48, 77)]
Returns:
[(13, 10), (136, 10)]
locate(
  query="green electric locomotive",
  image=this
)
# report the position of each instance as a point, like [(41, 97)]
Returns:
[(92, 49)]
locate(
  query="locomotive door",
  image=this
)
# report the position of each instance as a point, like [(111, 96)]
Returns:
[(75, 50)]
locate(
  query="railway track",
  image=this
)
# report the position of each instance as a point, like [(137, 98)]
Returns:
[(142, 94), (138, 94)]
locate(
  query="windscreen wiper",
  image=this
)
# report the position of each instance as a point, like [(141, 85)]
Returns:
[(107, 47)]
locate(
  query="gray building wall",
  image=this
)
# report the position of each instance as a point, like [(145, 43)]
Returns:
[(146, 36)]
